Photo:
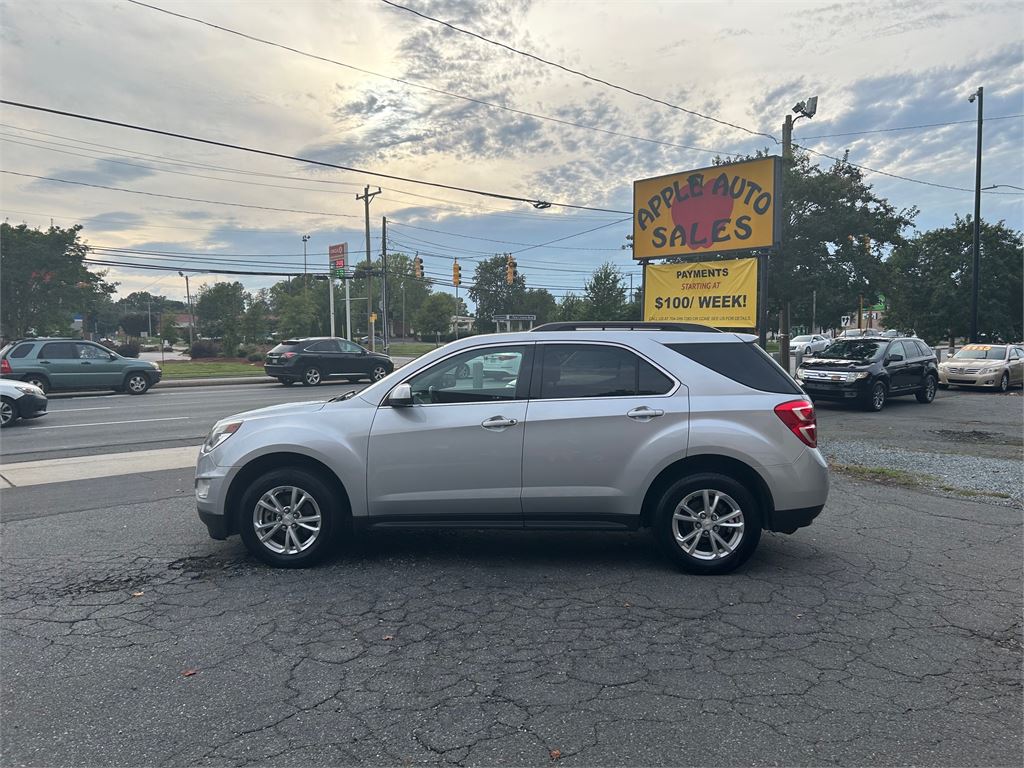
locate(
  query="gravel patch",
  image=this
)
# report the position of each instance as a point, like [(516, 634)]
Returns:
[(972, 473)]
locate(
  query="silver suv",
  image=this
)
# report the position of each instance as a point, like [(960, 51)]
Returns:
[(694, 433)]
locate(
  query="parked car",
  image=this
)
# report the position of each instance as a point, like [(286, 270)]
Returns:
[(378, 342), (809, 344), (314, 360), (868, 371), (999, 366), (694, 433), (73, 364), (20, 400)]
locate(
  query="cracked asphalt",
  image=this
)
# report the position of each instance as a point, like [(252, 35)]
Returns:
[(888, 633)]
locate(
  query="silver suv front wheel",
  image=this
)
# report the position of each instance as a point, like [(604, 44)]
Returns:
[(708, 523), (289, 517)]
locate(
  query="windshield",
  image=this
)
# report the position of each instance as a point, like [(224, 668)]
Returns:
[(981, 352), (859, 349), (801, 339)]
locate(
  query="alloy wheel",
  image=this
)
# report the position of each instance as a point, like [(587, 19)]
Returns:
[(312, 377), (878, 396), (137, 384), (6, 413), (708, 524), (1004, 383), (379, 373), (287, 520)]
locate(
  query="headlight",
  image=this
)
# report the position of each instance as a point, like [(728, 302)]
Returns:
[(856, 376), (28, 389), (799, 373), (219, 434)]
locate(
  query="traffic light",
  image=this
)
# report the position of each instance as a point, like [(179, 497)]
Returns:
[(456, 274), (511, 272), (417, 268)]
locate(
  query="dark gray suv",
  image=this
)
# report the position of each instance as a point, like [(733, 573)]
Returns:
[(73, 364)]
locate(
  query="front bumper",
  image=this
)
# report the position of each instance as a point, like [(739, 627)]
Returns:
[(978, 379), (31, 406), (211, 488), (827, 390), (155, 376)]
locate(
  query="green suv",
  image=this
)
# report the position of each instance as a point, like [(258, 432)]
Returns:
[(74, 364)]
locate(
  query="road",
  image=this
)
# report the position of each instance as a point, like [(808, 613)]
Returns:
[(889, 632)]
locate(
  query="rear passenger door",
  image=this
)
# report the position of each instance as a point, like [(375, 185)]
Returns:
[(593, 410), (325, 355), (58, 361)]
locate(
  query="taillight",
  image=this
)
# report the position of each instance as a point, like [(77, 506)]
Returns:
[(288, 355), (5, 366), (798, 415)]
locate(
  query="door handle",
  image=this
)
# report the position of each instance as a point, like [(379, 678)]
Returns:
[(44, 362), (643, 413), (86, 362), (498, 422)]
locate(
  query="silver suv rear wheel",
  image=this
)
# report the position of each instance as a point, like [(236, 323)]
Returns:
[(708, 523)]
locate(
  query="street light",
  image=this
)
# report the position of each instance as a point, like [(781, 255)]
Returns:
[(976, 273), (305, 276), (191, 317)]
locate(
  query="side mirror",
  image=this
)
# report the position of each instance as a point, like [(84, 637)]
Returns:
[(894, 359), (401, 396), (112, 356)]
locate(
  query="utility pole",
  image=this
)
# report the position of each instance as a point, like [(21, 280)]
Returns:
[(305, 273), (366, 197), (808, 109), (191, 317), (348, 304), (330, 295), (976, 274), (384, 324), (814, 311)]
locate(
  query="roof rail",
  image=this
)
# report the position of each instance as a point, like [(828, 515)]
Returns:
[(625, 325)]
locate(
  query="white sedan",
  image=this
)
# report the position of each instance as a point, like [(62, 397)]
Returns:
[(809, 345), (20, 400)]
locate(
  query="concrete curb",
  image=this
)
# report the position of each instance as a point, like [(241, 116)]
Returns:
[(215, 381)]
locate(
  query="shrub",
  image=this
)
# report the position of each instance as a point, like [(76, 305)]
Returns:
[(254, 357), (129, 349), (204, 348)]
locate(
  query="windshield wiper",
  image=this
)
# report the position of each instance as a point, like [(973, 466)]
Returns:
[(345, 396)]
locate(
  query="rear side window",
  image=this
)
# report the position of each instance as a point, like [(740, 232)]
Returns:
[(595, 370), (923, 349), (284, 346), (745, 363), (58, 351), (21, 350)]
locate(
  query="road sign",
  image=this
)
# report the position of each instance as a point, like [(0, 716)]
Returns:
[(338, 255)]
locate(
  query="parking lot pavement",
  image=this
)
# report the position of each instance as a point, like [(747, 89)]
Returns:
[(887, 633)]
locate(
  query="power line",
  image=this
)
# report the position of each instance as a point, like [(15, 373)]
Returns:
[(490, 240), (908, 127), (576, 72), (894, 175), (175, 161), (431, 89), (178, 197), (539, 204), (166, 268)]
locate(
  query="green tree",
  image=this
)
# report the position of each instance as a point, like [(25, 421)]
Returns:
[(539, 302), (572, 307), (169, 330), (256, 321), (45, 280), (296, 314), (134, 323), (219, 310), (493, 295), (434, 315), (930, 283), (604, 294)]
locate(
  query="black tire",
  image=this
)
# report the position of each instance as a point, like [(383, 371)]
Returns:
[(136, 383), (38, 380), (463, 372), (286, 382), (674, 535), (876, 397), (312, 376), (927, 393), (8, 412), (1004, 383), (807, 351), (378, 372), (333, 518)]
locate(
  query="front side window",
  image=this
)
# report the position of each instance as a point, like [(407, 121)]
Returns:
[(350, 348), (475, 376), (593, 370), (58, 351), (90, 352)]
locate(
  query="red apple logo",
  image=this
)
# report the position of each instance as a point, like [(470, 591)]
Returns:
[(696, 215)]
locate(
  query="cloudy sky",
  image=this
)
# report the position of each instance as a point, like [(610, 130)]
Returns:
[(402, 96)]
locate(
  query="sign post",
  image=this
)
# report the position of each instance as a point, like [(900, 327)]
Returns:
[(338, 256)]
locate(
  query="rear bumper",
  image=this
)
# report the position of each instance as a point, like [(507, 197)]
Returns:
[(789, 520), (279, 371)]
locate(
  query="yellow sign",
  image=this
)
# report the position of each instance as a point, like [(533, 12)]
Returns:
[(718, 293), (373, 317), (724, 208)]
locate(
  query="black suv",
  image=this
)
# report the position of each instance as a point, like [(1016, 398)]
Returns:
[(868, 371), (315, 359)]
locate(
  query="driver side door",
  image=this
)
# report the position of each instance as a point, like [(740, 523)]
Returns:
[(456, 454)]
